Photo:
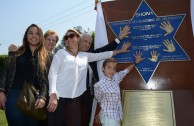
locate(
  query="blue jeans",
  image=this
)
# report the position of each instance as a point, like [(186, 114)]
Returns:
[(13, 115)]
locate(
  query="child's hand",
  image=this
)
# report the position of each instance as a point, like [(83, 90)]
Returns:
[(138, 57)]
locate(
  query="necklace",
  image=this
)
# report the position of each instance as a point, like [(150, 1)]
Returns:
[(72, 53)]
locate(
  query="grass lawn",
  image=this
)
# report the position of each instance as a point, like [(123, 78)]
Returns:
[(3, 121)]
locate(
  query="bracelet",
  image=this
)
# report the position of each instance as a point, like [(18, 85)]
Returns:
[(135, 63)]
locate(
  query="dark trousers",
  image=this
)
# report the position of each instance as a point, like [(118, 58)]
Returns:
[(86, 107), (43, 123), (68, 113)]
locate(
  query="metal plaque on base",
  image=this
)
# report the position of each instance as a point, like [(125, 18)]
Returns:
[(148, 108)]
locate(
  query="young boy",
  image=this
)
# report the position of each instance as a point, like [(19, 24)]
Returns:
[(107, 91)]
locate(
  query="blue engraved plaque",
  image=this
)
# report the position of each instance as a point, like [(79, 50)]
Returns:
[(153, 36)]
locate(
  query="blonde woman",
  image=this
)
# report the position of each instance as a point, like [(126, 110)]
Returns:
[(67, 80)]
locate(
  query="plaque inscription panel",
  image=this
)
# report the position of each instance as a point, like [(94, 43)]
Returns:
[(148, 108)]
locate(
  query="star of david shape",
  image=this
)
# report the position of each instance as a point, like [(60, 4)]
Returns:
[(153, 36)]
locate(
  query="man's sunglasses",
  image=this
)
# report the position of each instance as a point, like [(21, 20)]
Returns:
[(69, 36)]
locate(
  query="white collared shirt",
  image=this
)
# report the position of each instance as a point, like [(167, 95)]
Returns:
[(67, 74)]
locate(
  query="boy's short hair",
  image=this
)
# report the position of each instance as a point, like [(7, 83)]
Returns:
[(108, 60), (51, 32)]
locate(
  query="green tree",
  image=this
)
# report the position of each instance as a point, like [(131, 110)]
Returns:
[(81, 30), (93, 35)]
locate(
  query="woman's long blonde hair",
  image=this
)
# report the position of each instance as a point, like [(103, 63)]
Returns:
[(43, 55)]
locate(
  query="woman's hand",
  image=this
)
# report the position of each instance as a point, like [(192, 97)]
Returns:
[(40, 103), (3, 99), (53, 103), (123, 49)]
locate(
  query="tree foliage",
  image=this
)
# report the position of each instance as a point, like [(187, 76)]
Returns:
[(82, 31)]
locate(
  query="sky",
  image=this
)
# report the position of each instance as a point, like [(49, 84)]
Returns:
[(58, 15)]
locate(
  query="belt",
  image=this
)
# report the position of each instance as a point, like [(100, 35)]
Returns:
[(72, 99)]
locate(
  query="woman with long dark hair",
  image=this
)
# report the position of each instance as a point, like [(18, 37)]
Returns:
[(29, 63)]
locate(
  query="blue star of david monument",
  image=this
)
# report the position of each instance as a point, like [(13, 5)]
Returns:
[(153, 36)]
